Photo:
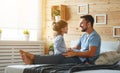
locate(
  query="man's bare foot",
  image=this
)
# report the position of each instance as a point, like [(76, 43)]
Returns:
[(27, 57)]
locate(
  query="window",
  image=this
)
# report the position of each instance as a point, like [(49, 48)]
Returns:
[(18, 15)]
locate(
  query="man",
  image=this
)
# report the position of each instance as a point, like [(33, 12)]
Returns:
[(90, 42), (88, 46)]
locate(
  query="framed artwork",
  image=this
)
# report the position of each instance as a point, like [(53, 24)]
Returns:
[(116, 31), (100, 18), (82, 9)]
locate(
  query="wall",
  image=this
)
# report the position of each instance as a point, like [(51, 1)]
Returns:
[(110, 7)]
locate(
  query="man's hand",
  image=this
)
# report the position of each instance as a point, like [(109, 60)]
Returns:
[(69, 54)]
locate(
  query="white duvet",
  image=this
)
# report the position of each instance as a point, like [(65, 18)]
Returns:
[(20, 68)]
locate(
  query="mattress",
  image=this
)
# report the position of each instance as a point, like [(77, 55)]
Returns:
[(20, 69)]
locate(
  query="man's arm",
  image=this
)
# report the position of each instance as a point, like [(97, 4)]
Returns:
[(89, 53)]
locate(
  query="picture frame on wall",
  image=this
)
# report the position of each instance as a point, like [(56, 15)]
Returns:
[(100, 19), (116, 31), (82, 9)]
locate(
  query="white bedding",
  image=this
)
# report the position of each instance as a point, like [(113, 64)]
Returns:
[(20, 68), (100, 71)]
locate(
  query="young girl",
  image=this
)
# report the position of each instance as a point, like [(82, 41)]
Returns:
[(61, 27)]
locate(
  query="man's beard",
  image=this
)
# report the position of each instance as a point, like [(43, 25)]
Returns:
[(84, 30)]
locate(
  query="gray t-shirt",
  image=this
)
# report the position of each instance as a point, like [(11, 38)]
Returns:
[(59, 45), (88, 40)]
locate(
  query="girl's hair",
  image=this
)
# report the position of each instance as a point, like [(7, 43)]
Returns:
[(58, 25)]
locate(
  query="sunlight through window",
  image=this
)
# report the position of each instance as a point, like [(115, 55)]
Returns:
[(18, 15)]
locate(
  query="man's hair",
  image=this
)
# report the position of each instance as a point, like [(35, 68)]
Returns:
[(88, 18)]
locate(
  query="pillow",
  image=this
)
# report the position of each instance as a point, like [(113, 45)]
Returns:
[(110, 57)]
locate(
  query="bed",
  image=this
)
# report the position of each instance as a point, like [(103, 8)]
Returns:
[(100, 71), (106, 48), (20, 69)]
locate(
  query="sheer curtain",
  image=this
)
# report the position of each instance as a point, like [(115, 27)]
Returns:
[(19, 15)]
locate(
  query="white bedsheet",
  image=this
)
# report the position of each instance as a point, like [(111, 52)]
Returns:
[(100, 71), (20, 68)]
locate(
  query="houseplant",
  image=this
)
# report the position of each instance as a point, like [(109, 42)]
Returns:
[(0, 30), (56, 13), (51, 49), (26, 34), (0, 33)]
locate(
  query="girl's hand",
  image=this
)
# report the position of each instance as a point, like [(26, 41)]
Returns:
[(69, 49)]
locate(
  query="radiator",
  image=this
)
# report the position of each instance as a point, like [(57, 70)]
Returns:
[(9, 51)]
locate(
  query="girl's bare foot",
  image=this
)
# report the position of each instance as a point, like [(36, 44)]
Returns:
[(27, 57)]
